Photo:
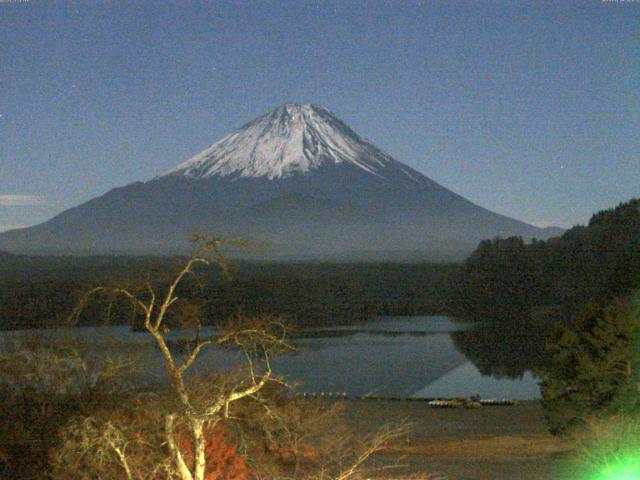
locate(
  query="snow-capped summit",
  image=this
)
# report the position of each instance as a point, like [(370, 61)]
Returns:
[(291, 139)]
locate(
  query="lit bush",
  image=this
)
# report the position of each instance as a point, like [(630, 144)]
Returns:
[(608, 449)]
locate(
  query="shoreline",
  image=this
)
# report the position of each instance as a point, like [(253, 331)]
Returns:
[(507, 442)]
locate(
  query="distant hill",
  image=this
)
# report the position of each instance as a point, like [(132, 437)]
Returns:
[(592, 263), (299, 183)]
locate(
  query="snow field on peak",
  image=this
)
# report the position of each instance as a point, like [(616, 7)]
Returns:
[(289, 140)]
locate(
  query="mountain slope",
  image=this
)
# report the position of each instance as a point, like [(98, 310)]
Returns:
[(298, 182)]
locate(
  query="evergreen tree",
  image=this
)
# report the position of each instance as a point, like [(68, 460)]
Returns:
[(595, 365)]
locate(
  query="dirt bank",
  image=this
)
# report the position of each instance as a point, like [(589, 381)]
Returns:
[(492, 443)]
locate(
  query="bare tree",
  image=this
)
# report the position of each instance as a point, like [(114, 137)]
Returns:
[(256, 340), (199, 406)]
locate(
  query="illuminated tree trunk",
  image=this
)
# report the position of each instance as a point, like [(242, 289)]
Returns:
[(199, 457)]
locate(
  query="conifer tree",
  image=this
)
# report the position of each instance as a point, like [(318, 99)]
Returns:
[(596, 365)]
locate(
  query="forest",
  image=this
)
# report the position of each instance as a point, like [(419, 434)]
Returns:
[(42, 291), (509, 278)]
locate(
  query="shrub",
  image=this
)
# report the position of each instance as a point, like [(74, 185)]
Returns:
[(44, 384), (223, 461)]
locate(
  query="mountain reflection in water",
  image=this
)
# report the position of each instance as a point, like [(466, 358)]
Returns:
[(424, 357)]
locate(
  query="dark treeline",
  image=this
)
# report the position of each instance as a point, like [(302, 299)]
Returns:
[(509, 279), (42, 291)]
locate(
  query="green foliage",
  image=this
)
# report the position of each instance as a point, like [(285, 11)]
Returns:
[(595, 366)]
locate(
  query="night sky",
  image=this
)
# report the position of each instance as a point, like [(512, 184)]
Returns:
[(531, 110)]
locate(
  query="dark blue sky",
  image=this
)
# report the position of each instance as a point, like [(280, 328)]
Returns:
[(531, 110)]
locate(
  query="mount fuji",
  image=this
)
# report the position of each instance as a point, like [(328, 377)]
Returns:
[(296, 183)]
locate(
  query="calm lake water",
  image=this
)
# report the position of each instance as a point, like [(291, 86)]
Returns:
[(425, 357)]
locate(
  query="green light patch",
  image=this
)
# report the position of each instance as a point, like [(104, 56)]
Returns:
[(624, 468)]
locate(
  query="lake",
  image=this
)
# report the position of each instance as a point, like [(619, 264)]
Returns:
[(405, 357)]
